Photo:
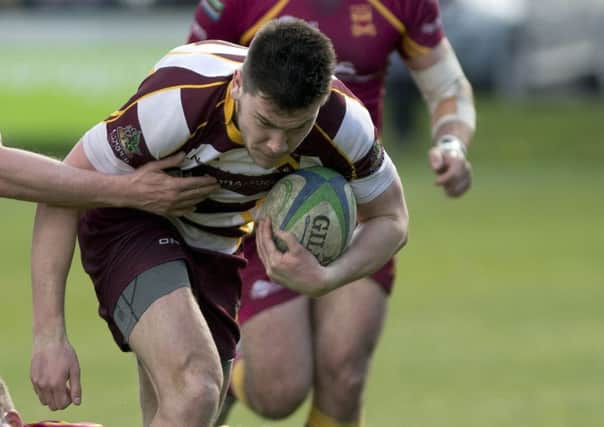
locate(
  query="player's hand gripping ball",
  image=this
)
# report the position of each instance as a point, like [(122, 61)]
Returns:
[(318, 206)]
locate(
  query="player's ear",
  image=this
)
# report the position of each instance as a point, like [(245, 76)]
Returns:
[(13, 419), (237, 86), (326, 97)]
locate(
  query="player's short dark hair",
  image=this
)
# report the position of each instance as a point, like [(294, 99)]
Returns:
[(290, 62)]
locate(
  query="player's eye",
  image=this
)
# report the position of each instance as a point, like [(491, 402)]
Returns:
[(264, 123)]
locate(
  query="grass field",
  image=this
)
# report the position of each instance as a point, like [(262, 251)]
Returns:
[(496, 318)]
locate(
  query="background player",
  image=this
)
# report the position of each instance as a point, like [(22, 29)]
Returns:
[(169, 287), (291, 343)]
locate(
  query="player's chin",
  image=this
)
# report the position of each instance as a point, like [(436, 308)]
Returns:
[(265, 162)]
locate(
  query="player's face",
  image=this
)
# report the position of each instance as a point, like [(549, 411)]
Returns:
[(269, 133)]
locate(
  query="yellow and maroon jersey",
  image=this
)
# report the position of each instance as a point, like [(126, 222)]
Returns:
[(364, 33), (185, 105)]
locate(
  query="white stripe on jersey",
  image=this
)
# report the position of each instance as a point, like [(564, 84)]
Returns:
[(238, 160), (225, 219), (201, 61), (368, 188), (227, 196), (163, 122), (202, 154), (200, 239), (355, 130), (100, 154), (211, 47)]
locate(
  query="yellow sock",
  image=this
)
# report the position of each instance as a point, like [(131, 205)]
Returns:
[(318, 419), (238, 381)]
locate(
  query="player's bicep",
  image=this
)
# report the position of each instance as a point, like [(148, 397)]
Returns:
[(99, 152), (390, 203), (151, 127), (370, 187)]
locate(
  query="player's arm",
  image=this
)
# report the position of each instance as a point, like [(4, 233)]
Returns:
[(28, 176), (55, 370), (448, 94), (381, 232)]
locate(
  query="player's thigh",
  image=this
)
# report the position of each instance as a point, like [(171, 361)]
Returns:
[(348, 323), (171, 334), (277, 343)]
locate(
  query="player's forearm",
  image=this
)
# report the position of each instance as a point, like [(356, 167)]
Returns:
[(52, 250), (374, 243), (382, 231), (446, 91), (449, 120), (32, 177)]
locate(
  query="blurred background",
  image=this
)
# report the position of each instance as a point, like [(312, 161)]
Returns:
[(497, 316)]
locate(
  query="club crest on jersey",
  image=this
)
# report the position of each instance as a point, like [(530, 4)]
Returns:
[(361, 20), (212, 8), (127, 138)]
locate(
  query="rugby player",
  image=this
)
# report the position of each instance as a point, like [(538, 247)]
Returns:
[(10, 417), (32, 177), (169, 287), (291, 343)]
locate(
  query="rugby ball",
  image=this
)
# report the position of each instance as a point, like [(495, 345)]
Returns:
[(318, 206)]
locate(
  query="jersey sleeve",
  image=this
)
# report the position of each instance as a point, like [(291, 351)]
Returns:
[(373, 170), (152, 125), (423, 28), (217, 19), (353, 148)]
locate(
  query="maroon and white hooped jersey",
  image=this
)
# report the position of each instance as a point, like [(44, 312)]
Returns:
[(185, 105)]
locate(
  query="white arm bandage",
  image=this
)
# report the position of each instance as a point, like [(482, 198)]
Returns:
[(442, 81)]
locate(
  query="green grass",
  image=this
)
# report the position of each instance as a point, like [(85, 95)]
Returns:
[(496, 318), (47, 103)]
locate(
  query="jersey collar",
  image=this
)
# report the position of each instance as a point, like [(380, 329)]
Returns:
[(229, 113)]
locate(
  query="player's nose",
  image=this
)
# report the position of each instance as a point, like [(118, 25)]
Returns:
[(277, 143)]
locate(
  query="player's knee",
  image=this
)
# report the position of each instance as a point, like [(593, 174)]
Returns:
[(279, 399), (194, 389), (344, 375), (348, 386), (196, 400)]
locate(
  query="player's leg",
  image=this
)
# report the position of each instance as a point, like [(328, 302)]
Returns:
[(174, 343), (348, 323), (148, 399), (273, 373), (147, 395), (276, 363), (137, 304), (226, 399), (176, 312)]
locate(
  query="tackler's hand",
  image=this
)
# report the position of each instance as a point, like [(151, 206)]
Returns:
[(155, 191)]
